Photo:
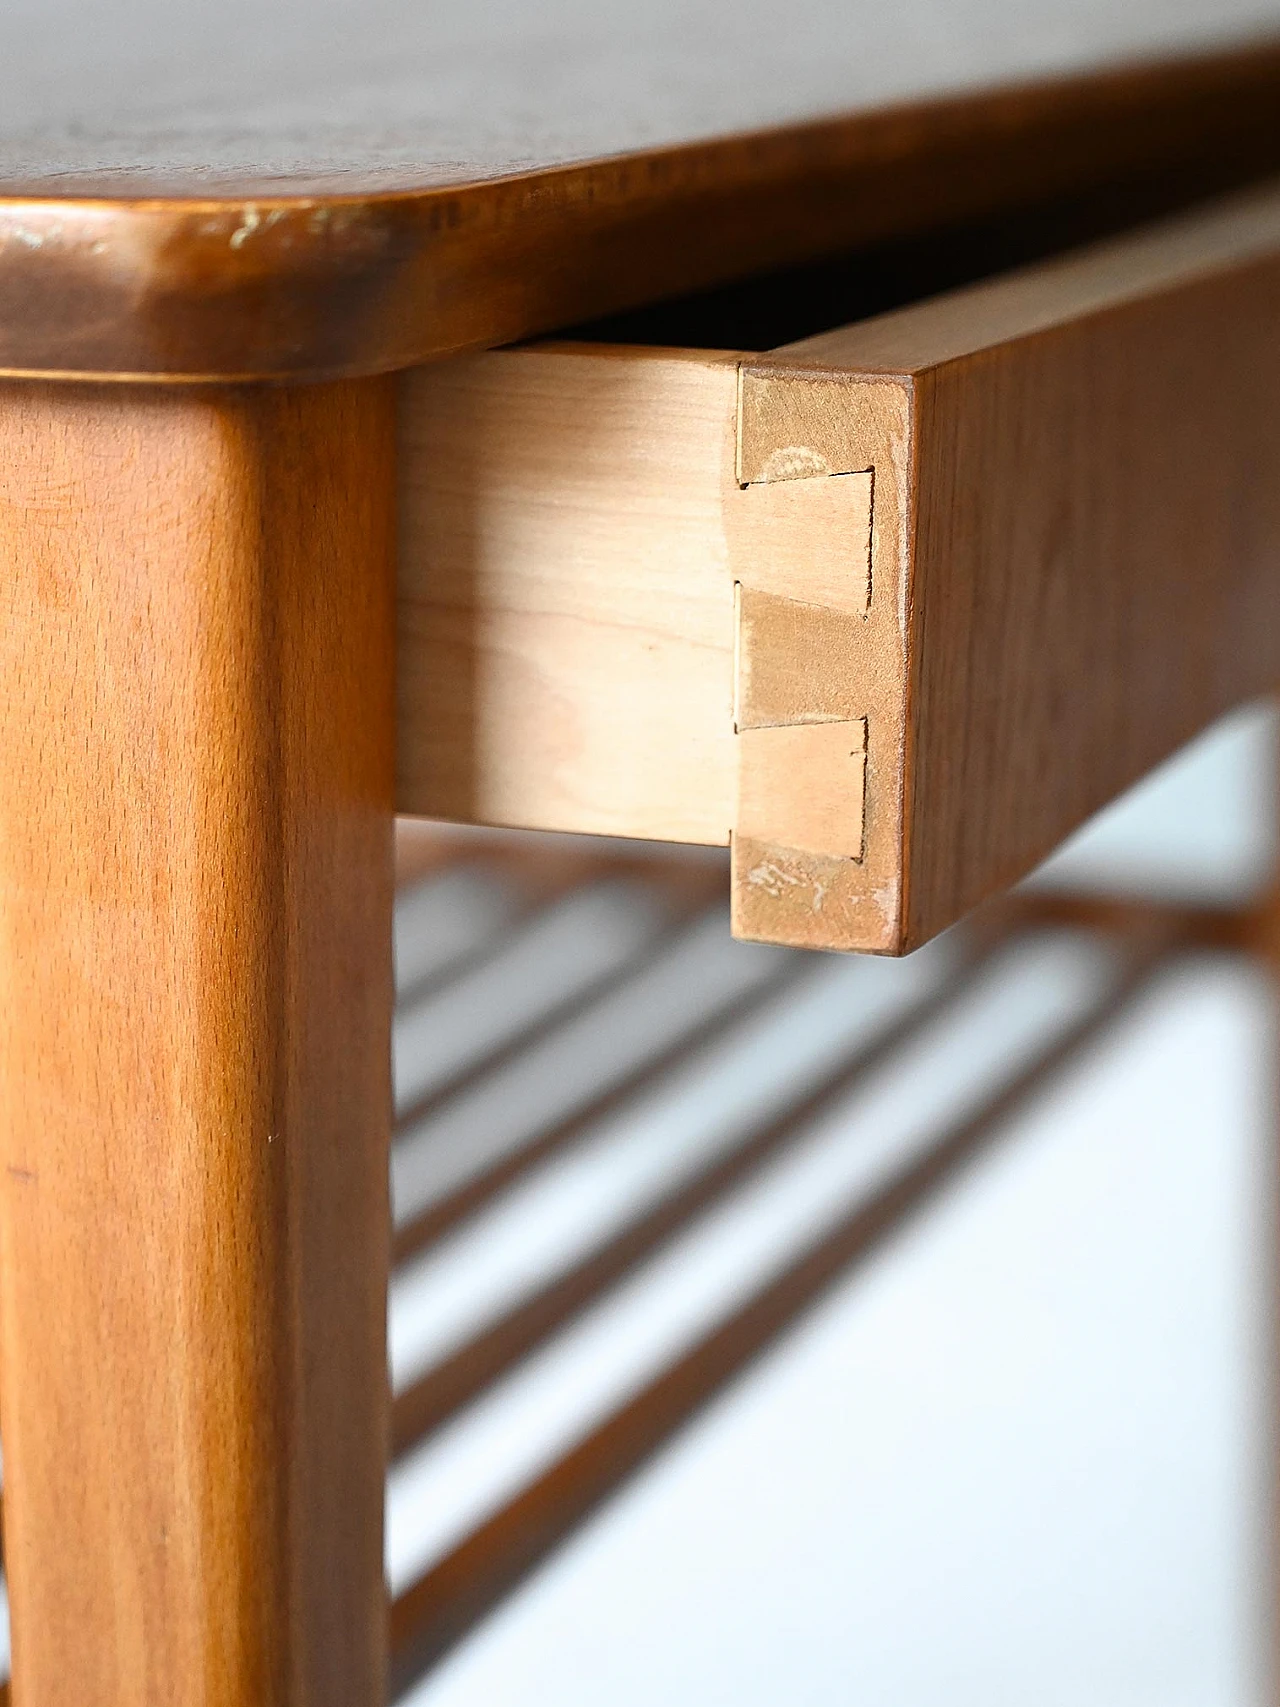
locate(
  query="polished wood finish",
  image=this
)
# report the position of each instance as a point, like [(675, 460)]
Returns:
[(175, 99), (973, 567), (262, 194), (1082, 533), (891, 611), (195, 898)]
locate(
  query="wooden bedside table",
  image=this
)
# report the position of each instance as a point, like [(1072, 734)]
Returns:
[(892, 605)]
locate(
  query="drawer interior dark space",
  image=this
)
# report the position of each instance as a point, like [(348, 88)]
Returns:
[(776, 308)]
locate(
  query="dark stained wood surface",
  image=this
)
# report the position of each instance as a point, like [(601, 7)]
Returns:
[(251, 190), (249, 97)]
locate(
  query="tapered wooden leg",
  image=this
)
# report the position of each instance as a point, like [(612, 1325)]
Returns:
[(195, 900)]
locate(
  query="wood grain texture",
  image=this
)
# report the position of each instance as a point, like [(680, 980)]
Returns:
[(195, 901), (571, 531), (256, 98), (803, 786), (1026, 533), (565, 628), (1088, 544), (254, 191)]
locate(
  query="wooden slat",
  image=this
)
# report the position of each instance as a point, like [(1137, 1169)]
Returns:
[(465, 1373), (1073, 553), (429, 1618), (558, 1010), (542, 867), (1203, 925), (484, 1187)]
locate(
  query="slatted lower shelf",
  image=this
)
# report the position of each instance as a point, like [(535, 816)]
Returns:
[(632, 1156), (763, 1117)]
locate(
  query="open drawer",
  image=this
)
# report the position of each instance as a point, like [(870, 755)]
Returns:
[(890, 610)]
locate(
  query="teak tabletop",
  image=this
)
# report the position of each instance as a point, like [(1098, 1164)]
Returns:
[(270, 191), (890, 608)]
